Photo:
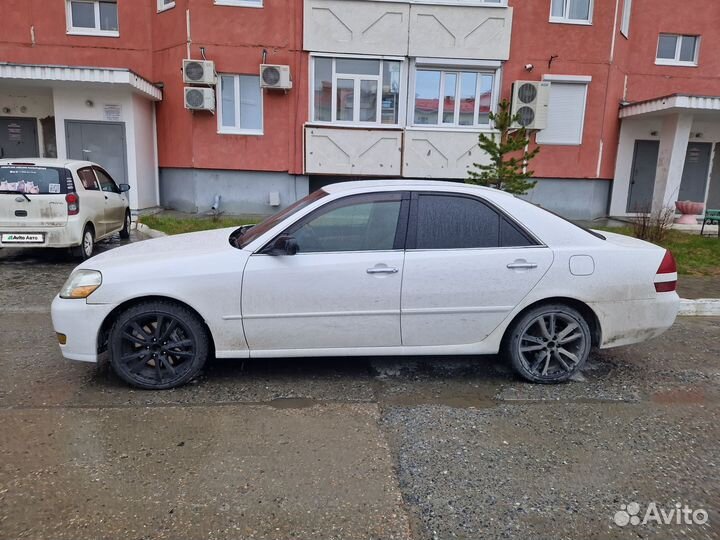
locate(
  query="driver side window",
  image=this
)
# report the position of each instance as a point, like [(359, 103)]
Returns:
[(107, 184), (355, 225)]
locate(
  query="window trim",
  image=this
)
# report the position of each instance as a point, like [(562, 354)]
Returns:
[(565, 19), (401, 228), (626, 17), (162, 6), (333, 111), (225, 130), (678, 47), (240, 3), (96, 31), (450, 66), (412, 228), (568, 79)]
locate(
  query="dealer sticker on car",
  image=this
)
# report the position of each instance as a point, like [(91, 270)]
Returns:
[(22, 238)]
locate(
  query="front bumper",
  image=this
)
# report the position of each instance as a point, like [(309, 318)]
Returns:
[(81, 323), (635, 321)]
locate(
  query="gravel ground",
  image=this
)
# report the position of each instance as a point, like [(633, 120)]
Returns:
[(345, 448)]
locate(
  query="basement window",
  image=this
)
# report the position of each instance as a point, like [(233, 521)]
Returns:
[(93, 18)]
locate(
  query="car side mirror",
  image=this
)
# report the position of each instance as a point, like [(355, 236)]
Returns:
[(284, 245), (124, 188)]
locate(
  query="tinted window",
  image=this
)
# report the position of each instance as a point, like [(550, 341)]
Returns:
[(511, 236), (87, 179), (449, 222), (106, 183), (33, 180), (363, 226)]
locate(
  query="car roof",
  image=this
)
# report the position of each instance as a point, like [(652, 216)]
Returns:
[(410, 184), (47, 162)]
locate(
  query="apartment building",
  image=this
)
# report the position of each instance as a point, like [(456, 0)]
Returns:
[(394, 89)]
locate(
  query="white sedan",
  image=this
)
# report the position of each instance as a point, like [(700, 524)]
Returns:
[(370, 268)]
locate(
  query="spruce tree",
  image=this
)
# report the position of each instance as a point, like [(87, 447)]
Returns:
[(509, 157)]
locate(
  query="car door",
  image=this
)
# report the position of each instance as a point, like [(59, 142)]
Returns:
[(466, 267), (115, 203), (342, 288), (92, 201)]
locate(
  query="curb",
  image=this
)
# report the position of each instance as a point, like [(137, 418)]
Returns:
[(152, 233), (702, 307)]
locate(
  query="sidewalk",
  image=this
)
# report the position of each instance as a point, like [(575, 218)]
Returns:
[(694, 287)]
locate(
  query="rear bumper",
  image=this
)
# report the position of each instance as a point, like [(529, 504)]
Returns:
[(54, 237), (635, 321), (81, 323)]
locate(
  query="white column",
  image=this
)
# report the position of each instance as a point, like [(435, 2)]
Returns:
[(674, 139)]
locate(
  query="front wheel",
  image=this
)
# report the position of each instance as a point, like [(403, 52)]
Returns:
[(549, 344), (158, 345), (125, 231)]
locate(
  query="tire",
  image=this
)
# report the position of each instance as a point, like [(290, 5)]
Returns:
[(549, 344), (125, 231), (141, 345), (86, 249)]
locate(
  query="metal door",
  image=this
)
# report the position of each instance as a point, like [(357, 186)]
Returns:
[(100, 142), (18, 137), (696, 171), (642, 178)]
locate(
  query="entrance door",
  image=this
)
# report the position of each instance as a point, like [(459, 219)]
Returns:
[(695, 173), (642, 178), (18, 137), (100, 142)]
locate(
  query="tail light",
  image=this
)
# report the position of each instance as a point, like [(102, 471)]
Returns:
[(666, 277), (73, 204)]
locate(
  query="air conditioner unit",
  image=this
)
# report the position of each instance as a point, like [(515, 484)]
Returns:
[(274, 76), (198, 72), (199, 99), (530, 103)]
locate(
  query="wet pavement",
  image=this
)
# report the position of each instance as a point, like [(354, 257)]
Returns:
[(349, 448)]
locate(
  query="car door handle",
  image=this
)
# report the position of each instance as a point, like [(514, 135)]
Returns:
[(522, 265), (382, 270)]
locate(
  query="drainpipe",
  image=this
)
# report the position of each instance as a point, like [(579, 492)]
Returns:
[(189, 38)]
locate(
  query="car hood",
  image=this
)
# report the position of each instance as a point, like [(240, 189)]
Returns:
[(166, 248)]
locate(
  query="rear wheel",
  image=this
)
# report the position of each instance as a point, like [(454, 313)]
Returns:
[(87, 245), (158, 345), (125, 231), (549, 344)]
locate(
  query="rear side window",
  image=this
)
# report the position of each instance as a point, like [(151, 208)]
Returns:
[(87, 179), (33, 180), (456, 222)]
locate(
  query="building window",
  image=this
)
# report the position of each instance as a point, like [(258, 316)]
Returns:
[(93, 17), (627, 13), (162, 5), (361, 91), (571, 11), (675, 50), (240, 3), (240, 107), (447, 98), (566, 114)]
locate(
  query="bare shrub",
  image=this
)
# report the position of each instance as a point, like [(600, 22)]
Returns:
[(653, 226)]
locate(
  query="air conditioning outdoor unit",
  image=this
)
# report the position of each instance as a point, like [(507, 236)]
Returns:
[(274, 76), (199, 99), (530, 102), (199, 72)]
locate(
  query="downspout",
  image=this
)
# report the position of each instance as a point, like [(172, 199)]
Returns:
[(189, 38)]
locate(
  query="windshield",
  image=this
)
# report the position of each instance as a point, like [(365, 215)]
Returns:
[(32, 180), (267, 224)]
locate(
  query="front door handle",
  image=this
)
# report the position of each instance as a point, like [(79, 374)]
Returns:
[(522, 265), (382, 270)]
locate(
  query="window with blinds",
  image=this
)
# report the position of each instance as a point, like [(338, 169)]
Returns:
[(566, 114)]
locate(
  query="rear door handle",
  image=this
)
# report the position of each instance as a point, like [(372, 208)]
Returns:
[(382, 270), (522, 265)]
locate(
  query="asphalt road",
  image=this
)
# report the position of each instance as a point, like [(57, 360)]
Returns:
[(346, 448)]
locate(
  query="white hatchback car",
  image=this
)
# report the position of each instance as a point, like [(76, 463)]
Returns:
[(58, 203), (370, 268)]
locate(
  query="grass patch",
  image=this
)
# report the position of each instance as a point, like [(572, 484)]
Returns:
[(695, 255), (175, 225)]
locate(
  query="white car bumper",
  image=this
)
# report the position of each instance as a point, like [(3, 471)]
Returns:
[(634, 321), (80, 322)]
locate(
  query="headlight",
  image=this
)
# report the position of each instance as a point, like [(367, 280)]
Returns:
[(81, 284)]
